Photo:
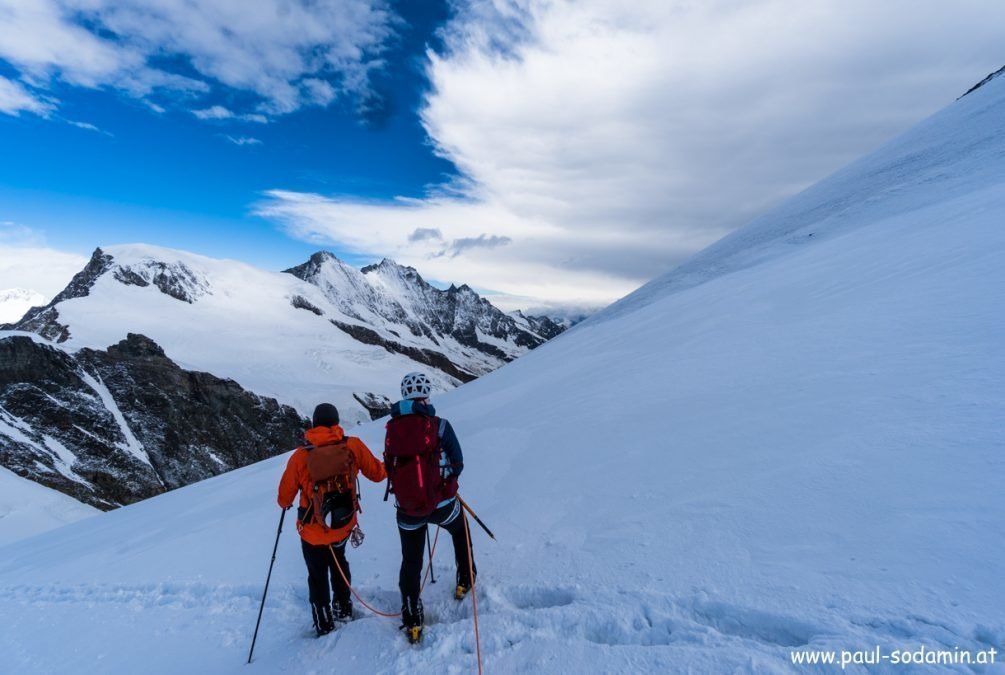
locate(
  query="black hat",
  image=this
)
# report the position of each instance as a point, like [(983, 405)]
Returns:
[(325, 415)]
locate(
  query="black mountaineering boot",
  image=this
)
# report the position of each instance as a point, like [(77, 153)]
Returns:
[(411, 620), (342, 610), (323, 622), (463, 585)]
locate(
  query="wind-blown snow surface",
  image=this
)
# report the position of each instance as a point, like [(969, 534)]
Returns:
[(804, 451)]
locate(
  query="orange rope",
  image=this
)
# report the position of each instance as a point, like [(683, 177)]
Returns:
[(363, 602), (474, 600)]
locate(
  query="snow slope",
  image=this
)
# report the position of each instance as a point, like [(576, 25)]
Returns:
[(27, 508), (14, 302), (794, 443)]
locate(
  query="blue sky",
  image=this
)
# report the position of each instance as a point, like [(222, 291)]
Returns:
[(552, 153), (172, 179)]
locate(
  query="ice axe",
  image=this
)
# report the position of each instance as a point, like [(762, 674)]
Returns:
[(475, 516), (429, 547)]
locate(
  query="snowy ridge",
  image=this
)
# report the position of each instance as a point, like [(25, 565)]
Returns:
[(798, 449), (997, 73), (954, 152), (322, 331)]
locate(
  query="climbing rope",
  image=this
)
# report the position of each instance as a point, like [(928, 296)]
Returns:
[(471, 572), (474, 600), (363, 602)]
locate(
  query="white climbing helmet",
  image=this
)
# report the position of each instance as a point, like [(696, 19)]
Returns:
[(415, 385)]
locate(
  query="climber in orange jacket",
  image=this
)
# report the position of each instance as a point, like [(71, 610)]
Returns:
[(324, 471)]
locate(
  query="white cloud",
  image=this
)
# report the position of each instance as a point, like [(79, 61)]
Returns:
[(218, 112), (45, 270), (88, 127), (243, 140), (524, 267), (83, 125), (16, 234), (26, 262), (14, 99), (268, 48), (609, 140), (318, 91)]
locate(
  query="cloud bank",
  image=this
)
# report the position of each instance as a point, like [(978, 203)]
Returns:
[(605, 141), (26, 261), (283, 54)]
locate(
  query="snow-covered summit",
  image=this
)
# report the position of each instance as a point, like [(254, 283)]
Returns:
[(398, 298), (322, 331)]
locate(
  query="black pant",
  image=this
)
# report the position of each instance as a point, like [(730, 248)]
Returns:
[(413, 548), (321, 567)]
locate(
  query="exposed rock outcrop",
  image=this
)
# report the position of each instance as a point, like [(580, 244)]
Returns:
[(115, 426)]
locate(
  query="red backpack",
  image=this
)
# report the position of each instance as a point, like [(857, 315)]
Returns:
[(412, 459), (334, 499)]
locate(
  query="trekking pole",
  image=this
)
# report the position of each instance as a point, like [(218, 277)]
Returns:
[(475, 516), (282, 516), (429, 547)]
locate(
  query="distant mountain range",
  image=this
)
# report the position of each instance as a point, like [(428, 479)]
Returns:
[(154, 368)]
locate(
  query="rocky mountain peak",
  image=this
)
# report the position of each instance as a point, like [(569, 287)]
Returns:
[(137, 346), (390, 268), (173, 278), (82, 282), (310, 269), (45, 320)]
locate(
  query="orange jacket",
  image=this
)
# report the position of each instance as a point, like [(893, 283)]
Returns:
[(296, 478)]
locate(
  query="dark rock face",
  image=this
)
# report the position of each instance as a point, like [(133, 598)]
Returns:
[(173, 279), (44, 321), (425, 356), (116, 426), (300, 302), (377, 405)]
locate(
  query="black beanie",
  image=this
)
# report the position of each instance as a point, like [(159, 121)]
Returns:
[(325, 415)]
